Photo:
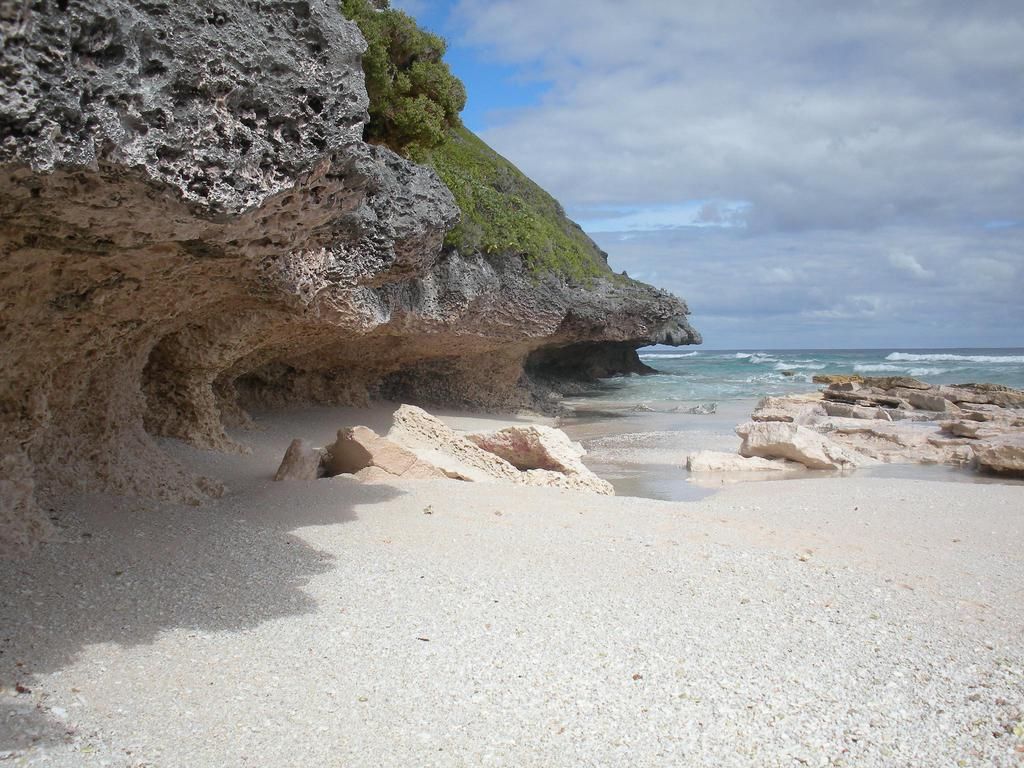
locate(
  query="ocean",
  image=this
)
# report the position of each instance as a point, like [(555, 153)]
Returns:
[(637, 431), (692, 376)]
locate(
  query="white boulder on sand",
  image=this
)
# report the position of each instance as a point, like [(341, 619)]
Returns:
[(420, 446), (359, 448), (546, 455), (1002, 454), (434, 441), (781, 440), (719, 461), (532, 446)]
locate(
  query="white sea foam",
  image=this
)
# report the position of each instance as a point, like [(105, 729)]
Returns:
[(907, 357), (662, 356), (900, 369), (776, 377), (877, 368), (798, 366)]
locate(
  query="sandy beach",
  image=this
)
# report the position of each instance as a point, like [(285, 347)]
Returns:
[(762, 269), (818, 621)]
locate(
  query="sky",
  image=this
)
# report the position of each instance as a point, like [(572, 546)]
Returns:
[(804, 174)]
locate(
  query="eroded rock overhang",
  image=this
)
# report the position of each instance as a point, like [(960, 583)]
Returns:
[(191, 223)]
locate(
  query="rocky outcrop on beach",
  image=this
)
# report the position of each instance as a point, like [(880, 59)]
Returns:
[(780, 440), (420, 446), (856, 421), (191, 225), (720, 461)]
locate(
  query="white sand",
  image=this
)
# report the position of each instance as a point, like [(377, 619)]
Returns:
[(854, 621)]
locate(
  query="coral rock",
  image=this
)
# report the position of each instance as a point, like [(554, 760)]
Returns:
[(532, 446), (1004, 454), (777, 440), (302, 461), (717, 461), (360, 447), (435, 442), (837, 378), (192, 224), (538, 447)]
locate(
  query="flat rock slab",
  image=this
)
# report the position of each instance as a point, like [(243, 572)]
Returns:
[(1004, 454), (719, 461), (984, 394), (847, 411), (778, 440)]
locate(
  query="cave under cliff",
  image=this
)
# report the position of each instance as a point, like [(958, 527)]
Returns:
[(191, 227)]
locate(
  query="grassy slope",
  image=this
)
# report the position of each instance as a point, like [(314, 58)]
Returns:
[(503, 211)]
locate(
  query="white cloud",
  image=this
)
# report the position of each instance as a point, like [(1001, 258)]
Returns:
[(870, 143), (835, 288), (908, 263), (826, 114)]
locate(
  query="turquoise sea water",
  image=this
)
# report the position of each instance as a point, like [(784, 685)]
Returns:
[(637, 430), (691, 375)]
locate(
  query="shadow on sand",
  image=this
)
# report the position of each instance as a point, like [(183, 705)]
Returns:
[(126, 571)]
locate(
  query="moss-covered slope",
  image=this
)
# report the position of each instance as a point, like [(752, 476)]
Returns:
[(414, 106), (505, 212)]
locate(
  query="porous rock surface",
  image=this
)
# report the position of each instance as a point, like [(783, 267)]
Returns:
[(1004, 454), (436, 443), (191, 223)]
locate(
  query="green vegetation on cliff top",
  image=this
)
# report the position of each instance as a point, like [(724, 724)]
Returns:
[(414, 97), (414, 105), (503, 211)]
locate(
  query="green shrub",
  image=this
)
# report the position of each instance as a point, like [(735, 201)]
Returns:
[(414, 97), (415, 102)]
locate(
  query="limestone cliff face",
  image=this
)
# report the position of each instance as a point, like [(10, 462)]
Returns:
[(190, 223)]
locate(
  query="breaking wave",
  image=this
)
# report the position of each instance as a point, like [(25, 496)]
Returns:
[(671, 356), (902, 369), (907, 357), (876, 368), (756, 357), (808, 366)]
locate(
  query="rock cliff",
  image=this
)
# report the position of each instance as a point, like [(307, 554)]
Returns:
[(190, 223)]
